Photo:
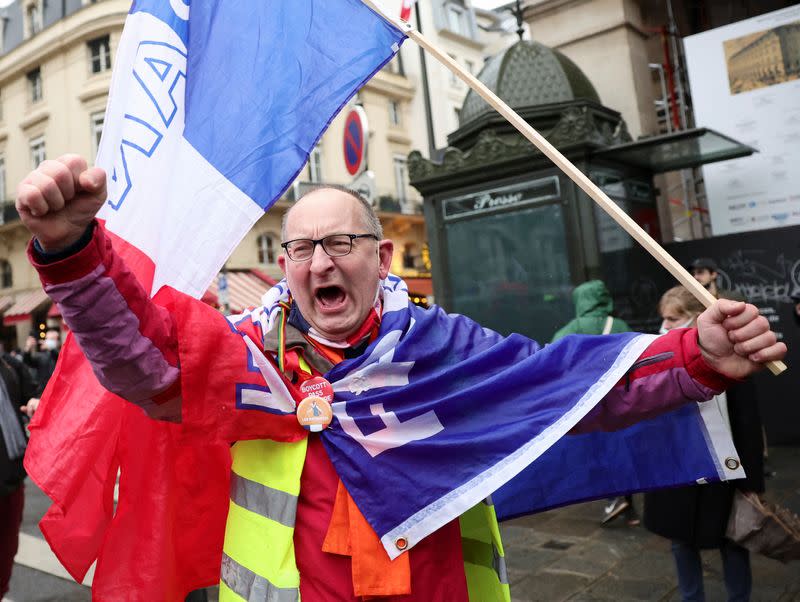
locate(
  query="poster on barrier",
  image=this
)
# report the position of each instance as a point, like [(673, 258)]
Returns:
[(745, 83)]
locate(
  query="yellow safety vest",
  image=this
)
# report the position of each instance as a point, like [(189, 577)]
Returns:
[(258, 561)]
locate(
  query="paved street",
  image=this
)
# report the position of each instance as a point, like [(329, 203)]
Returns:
[(560, 555)]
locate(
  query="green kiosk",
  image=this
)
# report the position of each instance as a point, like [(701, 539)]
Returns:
[(510, 235)]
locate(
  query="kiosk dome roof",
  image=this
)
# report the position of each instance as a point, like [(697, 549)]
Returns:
[(528, 74)]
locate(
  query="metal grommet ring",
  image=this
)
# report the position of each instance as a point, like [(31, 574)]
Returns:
[(732, 463), (401, 543)]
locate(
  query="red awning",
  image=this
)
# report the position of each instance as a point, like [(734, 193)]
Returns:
[(421, 286), (24, 305), (245, 288), (6, 302)]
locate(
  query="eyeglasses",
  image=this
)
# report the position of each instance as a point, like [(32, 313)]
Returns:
[(335, 245)]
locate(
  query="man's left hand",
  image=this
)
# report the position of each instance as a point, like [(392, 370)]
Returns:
[(735, 340)]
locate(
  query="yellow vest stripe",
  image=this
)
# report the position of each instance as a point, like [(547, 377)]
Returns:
[(226, 594), (265, 461), (494, 527), (262, 545), (250, 586), (486, 555), (268, 502)]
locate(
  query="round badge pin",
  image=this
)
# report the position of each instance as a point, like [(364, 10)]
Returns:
[(314, 413), (317, 387)]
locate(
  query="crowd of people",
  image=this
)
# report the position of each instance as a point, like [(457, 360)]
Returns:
[(23, 377)]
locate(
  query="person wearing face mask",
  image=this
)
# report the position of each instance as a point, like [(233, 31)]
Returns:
[(16, 385), (705, 271), (695, 518), (43, 361)]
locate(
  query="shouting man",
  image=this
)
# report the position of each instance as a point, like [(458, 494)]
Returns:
[(340, 331)]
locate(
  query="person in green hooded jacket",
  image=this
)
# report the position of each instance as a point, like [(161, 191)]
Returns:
[(593, 308)]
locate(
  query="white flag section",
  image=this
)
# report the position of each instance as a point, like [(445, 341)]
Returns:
[(185, 190), (165, 198)]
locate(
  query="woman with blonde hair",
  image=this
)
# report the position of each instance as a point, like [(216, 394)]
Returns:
[(696, 517), (678, 308)]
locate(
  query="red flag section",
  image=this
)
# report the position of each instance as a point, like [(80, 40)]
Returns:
[(405, 10), (165, 537)]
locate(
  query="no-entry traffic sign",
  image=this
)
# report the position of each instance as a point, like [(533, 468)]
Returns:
[(354, 143)]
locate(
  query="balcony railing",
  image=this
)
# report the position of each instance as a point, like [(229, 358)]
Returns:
[(392, 204)]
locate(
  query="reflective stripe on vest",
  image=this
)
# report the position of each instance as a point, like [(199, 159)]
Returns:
[(484, 558), (270, 503), (258, 560), (251, 587)]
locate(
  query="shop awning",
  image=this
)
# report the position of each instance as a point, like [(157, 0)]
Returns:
[(679, 150), (245, 288), (6, 302), (420, 286), (24, 305)]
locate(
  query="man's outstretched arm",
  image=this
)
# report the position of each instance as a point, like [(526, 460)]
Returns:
[(669, 374), (130, 342), (731, 342)]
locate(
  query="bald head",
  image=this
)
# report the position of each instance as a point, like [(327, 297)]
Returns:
[(335, 293), (324, 195)]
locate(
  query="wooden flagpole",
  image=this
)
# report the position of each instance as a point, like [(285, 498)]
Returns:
[(565, 165)]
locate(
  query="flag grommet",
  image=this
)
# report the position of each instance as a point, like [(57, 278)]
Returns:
[(732, 463), (401, 543)]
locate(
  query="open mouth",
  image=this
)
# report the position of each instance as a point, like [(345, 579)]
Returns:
[(330, 297)]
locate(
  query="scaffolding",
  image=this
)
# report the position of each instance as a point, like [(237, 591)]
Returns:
[(673, 113)]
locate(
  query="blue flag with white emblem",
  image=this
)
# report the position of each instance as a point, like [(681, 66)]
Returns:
[(439, 413)]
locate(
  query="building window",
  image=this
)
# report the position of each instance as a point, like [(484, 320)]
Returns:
[(35, 84), (394, 113), (396, 65), (453, 77), (99, 54), (409, 256), (400, 178), (6, 274), (33, 18), (96, 125), (457, 18), (2, 179), (315, 166), (267, 245), (37, 151)]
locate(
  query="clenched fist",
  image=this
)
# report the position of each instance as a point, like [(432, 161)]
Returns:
[(59, 199), (735, 340)]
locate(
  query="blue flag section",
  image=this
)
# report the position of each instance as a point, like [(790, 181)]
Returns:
[(257, 104), (290, 80), (439, 413), (670, 450)]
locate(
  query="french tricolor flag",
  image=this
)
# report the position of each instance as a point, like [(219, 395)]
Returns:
[(212, 112)]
